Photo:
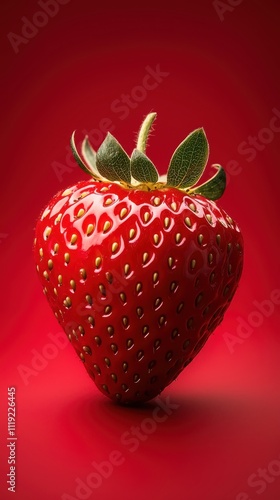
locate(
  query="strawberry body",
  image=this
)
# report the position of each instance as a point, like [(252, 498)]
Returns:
[(138, 279)]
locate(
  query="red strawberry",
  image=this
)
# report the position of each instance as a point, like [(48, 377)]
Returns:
[(139, 271)]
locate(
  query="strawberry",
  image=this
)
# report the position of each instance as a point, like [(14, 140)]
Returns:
[(139, 269)]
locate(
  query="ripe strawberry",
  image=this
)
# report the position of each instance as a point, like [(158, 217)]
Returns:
[(139, 270)]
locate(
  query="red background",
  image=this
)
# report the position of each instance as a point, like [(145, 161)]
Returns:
[(223, 74)]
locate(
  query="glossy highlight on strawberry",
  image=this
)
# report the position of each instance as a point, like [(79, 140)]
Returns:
[(139, 270)]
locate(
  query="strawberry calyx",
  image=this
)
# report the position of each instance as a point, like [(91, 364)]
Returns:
[(188, 162)]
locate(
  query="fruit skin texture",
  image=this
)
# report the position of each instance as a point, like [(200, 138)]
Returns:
[(138, 279)]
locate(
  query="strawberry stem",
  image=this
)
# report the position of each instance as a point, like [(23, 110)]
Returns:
[(144, 132)]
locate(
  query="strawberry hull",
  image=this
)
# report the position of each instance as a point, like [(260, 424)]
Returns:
[(138, 279)]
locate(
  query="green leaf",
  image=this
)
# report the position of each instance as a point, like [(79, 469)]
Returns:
[(90, 156), (142, 169), (88, 153), (189, 160), (79, 160), (214, 187), (112, 161)]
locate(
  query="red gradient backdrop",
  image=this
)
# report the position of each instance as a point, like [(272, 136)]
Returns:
[(217, 66)]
